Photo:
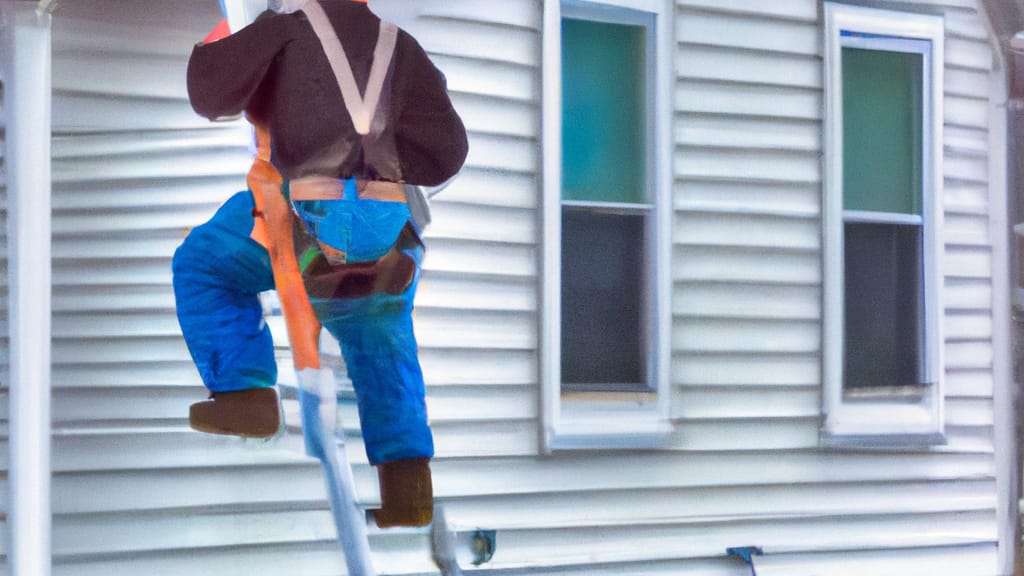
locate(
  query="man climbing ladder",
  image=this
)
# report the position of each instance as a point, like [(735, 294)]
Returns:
[(354, 109)]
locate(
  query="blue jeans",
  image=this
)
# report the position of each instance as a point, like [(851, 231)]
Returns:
[(218, 272)]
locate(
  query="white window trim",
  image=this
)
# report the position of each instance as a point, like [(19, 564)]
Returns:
[(622, 421), (879, 421)]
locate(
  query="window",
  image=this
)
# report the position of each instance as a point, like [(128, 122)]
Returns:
[(882, 227), (607, 218)]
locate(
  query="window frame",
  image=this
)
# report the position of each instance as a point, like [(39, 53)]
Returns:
[(596, 420), (877, 419)]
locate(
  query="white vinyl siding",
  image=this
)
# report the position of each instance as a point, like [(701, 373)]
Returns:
[(134, 489), (137, 492)]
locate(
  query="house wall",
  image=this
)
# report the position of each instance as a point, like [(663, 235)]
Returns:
[(744, 466), (135, 491)]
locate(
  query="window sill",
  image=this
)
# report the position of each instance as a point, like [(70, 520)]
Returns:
[(880, 424), (616, 423)]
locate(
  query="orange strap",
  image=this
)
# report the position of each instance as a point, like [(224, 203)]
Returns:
[(302, 323)]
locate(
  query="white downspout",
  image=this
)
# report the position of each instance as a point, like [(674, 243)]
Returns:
[(25, 46)]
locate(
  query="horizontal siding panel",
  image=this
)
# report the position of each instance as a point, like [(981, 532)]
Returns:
[(200, 161), (501, 153), (479, 40), (746, 301), (452, 293), (966, 24), (481, 259), (624, 506), (298, 485), (514, 14), (966, 168), (490, 188), (230, 135), (962, 111), (92, 404), (967, 82), (967, 141), (94, 452), (755, 265), (708, 539), (180, 192), (320, 558), (975, 383), (746, 402), (475, 329), (747, 231), (747, 133), (717, 335), (153, 531), (969, 411), (696, 96), (799, 10), (973, 54), (733, 65), (766, 435), (748, 197), (120, 74), (468, 403), (495, 79), (478, 366), (966, 229), (927, 560), (127, 350), (739, 369), (968, 293), (967, 262), (598, 471), (744, 31), (98, 299), (76, 112), (962, 193), (489, 115), (968, 355), (967, 326), (760, 165), (969, 439), (177, 372), (127, 246), (484, 223)]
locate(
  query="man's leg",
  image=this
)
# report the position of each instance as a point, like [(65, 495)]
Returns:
[(218, 272), (377, 340)]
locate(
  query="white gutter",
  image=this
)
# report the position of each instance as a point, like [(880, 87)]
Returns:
[(25, 45)]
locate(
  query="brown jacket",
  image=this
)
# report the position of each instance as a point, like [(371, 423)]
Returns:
[(276, 71)]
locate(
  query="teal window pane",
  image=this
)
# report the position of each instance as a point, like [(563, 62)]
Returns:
[(882, 130), (604, 79)]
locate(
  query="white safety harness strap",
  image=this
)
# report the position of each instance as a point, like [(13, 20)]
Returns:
[(360, 108)]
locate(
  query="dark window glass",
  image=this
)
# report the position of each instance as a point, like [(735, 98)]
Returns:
[(884, 307), (603, 279)]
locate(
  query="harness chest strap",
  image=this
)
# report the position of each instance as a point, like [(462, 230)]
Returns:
[(361, 108)]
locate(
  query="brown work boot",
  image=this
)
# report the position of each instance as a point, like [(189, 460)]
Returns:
[(406, 493), (252, 413)]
